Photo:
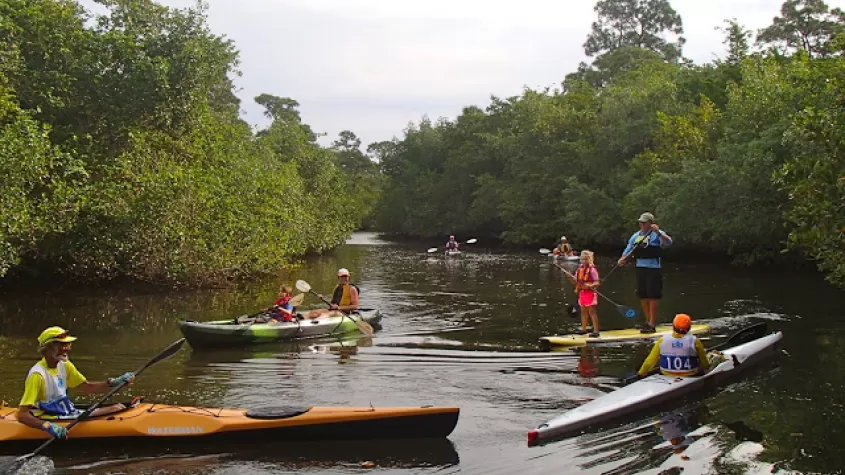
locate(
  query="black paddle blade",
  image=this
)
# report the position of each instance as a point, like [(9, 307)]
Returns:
[(166, 353), (749, 333)]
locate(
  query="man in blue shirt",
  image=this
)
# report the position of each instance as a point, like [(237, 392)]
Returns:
[(646, 247)]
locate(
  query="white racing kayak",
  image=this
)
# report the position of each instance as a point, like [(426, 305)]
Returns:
[(653, 391)]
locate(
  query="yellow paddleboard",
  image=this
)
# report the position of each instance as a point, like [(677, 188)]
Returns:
[(610, 336)]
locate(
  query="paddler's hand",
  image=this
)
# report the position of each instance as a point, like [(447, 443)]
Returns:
[(123, 378), (55, 430), (622, 260), (655, 227), (333, 307)]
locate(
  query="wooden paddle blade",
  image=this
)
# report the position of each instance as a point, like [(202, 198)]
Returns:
[(364, 327), (297, 300), (302, 286)]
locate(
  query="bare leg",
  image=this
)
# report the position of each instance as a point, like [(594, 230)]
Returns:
[(584, 313), (594, 315), (652, 315), (104, 411), (646, 310)]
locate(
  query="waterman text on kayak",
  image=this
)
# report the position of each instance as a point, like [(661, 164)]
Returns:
[(45, 399)]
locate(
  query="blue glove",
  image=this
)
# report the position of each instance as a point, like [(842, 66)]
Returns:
[(123, 378), (55, 430)]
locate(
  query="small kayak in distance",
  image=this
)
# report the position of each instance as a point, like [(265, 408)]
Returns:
[(653, 391), (613, 336), (229, 333), (145, 423)]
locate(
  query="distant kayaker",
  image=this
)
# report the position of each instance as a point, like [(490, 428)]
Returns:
[(344, 298), (646, 247), (45, 394), (282, 310), (564, 248), (451, 244), (586, 279), (679, 353)]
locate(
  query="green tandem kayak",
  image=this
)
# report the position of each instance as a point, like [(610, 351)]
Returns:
[(229, 333)]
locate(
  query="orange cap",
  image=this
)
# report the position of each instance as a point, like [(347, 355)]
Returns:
[(682, 322)]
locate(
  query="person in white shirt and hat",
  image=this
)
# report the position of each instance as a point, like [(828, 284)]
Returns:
[(344, 298)]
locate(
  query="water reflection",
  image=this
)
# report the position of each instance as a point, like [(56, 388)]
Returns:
[(270, 457), (464, 332)]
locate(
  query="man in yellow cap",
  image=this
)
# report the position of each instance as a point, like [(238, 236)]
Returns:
[(679, 353), (45, 393), (344, 298)]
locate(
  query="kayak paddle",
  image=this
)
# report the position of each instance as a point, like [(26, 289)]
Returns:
[(749, 333), (468, 241), (363, 326), (166, 353), (296, 301), (626, 312)]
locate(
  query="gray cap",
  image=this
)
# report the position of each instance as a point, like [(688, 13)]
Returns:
[(646, 217)]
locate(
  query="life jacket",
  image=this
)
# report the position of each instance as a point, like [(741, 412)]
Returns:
[(55, 387), (342, 295), (284, 303), (582, 276), (643, 249), (452, 245), (678, 356), (564, 248)]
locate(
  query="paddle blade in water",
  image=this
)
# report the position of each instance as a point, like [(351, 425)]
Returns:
[(432, 249), (543, 250), (303, 286)]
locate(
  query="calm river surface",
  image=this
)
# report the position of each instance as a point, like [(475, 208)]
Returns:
[(463, 332)]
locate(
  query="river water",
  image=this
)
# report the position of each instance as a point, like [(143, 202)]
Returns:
[(463, 332)]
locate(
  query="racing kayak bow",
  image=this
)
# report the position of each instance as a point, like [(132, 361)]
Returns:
[(653, 391)]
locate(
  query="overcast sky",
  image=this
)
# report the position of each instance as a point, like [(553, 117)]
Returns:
[(373, 66)]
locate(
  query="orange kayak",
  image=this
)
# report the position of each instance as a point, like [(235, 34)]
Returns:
[(174, 424)]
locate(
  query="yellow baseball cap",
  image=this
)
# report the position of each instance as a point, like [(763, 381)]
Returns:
[(55, 334)]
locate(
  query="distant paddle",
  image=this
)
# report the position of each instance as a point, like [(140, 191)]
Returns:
[(468, 241), (363, 326), (166, 353), (626, 312), (749, 333)]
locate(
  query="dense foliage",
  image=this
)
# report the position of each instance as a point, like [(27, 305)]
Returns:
[(122, 152), (740, 157)]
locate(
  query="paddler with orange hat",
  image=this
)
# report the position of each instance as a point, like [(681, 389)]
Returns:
[(679, 353)]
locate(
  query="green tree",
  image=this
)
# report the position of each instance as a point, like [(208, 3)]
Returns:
[(807, 25), (638, 23)]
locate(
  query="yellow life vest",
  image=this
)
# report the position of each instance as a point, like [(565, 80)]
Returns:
[(582, 276), (342, 296)]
